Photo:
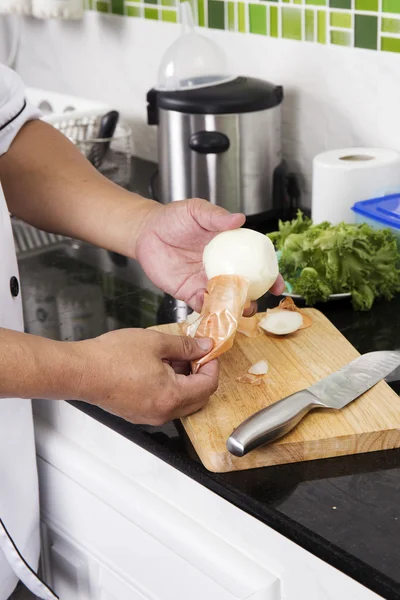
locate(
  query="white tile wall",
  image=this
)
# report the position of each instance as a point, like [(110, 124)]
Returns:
[(335, 97)]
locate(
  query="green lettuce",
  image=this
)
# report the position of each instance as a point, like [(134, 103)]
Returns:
[(324, 259)]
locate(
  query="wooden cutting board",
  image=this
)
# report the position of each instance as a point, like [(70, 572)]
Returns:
[(295, 362)]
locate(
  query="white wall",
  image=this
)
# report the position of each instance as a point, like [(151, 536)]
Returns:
[(335, 97), (8, 27)]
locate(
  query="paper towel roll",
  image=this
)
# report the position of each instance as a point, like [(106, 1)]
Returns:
[(343, 177)]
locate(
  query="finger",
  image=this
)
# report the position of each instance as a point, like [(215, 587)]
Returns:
[(182, 347), (181, 367), (279, 286), (251, 310), (198, 388), (197, 301), (210, 369), (215, 218), (188, 409)]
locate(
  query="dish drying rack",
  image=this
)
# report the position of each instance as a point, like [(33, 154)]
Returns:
[(80, 120), (30, 241)]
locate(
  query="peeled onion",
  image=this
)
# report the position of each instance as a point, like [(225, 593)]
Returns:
[(281, 322), (246, 253)]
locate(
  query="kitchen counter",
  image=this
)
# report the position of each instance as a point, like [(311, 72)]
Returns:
[(344, 510)]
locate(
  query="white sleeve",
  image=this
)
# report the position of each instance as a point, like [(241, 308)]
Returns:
[(15, 110)]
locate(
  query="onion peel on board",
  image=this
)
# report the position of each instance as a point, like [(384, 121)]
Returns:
[(281, 322), (255, 373), (250, 378), (259, 368), (288, 304), (248, 326), (222, 310)]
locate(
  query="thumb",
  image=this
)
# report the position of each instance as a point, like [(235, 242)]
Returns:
[(185, 348), (214, 218)]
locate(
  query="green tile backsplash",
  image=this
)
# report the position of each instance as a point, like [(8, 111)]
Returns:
[(369, 24)]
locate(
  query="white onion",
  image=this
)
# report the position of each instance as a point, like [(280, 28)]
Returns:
[(259, 368), (246, 253), (281, 322)]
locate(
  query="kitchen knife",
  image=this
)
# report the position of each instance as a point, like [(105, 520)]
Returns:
[(334, 391)]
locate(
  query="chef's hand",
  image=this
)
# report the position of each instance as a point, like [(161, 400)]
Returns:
[(139, 375), (170, 247)]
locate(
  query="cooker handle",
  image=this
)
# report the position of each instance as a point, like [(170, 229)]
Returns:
[(209, 142)]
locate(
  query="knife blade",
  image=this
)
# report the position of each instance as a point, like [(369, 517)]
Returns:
[(334, 391)]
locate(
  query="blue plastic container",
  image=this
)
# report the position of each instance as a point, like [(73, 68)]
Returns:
[(380, 213)]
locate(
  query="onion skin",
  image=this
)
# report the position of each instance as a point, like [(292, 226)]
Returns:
[(222, 310), (250, 378), (248, 326)]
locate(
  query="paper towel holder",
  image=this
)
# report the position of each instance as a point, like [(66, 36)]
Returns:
[(357, 157)]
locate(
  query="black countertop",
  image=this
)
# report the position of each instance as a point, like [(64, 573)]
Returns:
[(344, 510)]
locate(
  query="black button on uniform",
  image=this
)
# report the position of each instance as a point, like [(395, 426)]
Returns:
[(14, 286)]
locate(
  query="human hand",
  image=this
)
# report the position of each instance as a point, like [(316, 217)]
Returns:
[(171, 243), (139, 375)]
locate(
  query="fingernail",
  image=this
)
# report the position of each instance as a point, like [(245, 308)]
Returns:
[(204, 343)]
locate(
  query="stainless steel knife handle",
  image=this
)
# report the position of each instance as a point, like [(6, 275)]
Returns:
[(271, 423)]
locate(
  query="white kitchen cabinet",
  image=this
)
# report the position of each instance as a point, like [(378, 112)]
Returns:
[(120, 523), (75, 573), (66, 568), (94, 539)]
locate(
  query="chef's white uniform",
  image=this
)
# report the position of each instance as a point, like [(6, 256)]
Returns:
[(19, 502)]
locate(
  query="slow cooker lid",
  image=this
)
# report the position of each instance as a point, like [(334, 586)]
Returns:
[(240, 95)]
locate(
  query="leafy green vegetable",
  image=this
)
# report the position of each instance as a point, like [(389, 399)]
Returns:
[(311, 286), (324, 259), (286, 228)]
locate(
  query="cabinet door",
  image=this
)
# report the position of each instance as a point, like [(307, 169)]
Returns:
[(158, 550), (76, 575), (112, 587), (90, 542), (69, 569), (156, 532)]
